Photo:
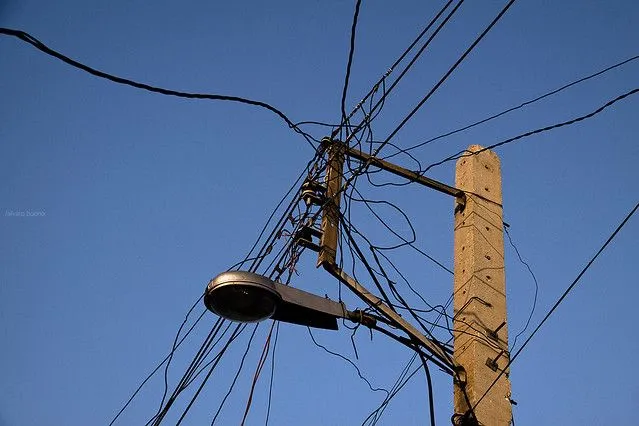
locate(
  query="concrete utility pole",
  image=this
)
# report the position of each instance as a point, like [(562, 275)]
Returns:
[(480, 293)]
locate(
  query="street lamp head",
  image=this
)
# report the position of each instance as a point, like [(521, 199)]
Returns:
[(248, 297), (242, 296)]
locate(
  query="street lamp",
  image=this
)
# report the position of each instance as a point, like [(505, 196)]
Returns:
[(248, 297)]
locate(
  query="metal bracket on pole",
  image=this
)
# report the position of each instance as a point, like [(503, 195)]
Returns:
[(407, 174), (493, 333)]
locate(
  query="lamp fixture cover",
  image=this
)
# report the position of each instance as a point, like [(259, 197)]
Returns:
[(242, 296)]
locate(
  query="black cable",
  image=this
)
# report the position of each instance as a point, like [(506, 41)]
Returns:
[(174, 347), (350, 60), (448, 73), (523, 104), (409, 243), (376, 414), (359, 373), (186, 380), (199, 367), (277, 230), (349, 227), (119, 80), (405, 241), (400, 298), (473, 45), (265, 247), (392, 67), (558, 302), (361, 256), (237, 375), (374, 248), (191, 373), (466, 153), (431, 404), (431, 308), (283, 218), (187, 377), (401, 381), (385, 298), (258, 372), (410, 64), (290, 247), (532, 274), (237, 332), (148, 377), (270, 386), (441, 310)]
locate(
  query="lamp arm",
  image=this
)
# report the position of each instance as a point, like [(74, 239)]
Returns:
[(439, 355)]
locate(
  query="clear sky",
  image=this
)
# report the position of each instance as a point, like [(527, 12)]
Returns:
[(118, 205)]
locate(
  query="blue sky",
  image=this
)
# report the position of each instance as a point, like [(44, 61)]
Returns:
[(138, 199)]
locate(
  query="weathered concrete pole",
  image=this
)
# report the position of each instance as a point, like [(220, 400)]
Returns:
[(481, 330)]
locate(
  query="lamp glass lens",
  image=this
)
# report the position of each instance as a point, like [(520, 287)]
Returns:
[(242, 303)]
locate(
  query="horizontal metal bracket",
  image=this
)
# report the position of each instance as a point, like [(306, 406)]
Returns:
[(493, 333), (406, 174)]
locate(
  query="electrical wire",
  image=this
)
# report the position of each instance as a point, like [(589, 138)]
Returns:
[(359, 372), (28, 38), (376, 414), (159, 365), (366, 136), (347, 227), (266, 248), (258, 371), (410, 64), (310, 171), (209, 343), (239, 329), (466, 153), (431, 404), (237, 375), (393, 66), (375, 248), (561, 299), (406, 242), (532, 274), (350, 60), (514, 108), (169, 357), (270, 386), (174, 347), (448, 73), (202, 354), (372, 274)]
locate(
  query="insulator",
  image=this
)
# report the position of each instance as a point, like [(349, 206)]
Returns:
[(313, 192)]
